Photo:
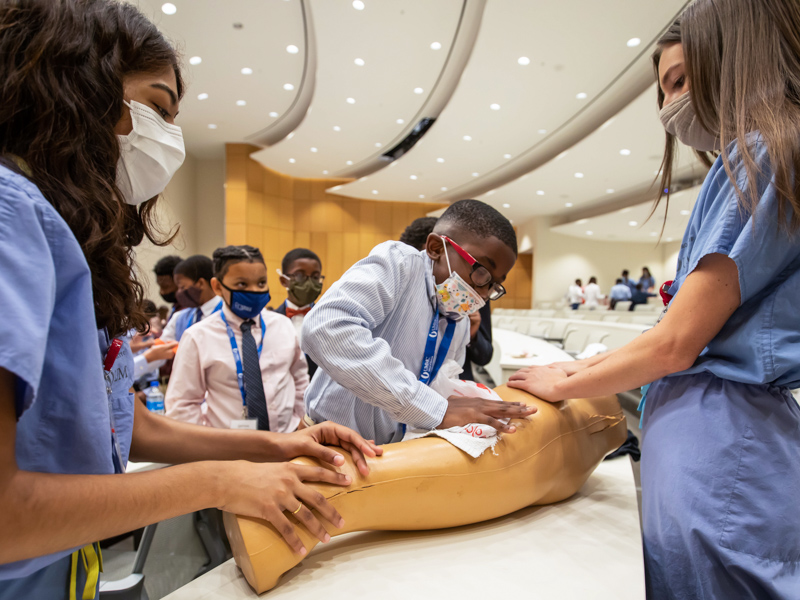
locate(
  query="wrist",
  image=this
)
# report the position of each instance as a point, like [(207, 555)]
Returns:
[(215, 487), (272, 447)]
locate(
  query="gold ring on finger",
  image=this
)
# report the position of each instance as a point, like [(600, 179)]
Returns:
[(294, 512)]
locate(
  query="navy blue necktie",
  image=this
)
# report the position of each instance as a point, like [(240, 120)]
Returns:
[(253, 384)]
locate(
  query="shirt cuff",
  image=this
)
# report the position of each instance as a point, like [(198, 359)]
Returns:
[(426, 410)]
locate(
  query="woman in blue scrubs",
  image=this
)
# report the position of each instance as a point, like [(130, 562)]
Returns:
[(89, 93), (721, 451)]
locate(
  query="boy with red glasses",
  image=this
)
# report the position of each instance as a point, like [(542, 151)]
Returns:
[(383, 330)]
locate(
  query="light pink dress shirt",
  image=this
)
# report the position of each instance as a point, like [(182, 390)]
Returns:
[(204, 370)]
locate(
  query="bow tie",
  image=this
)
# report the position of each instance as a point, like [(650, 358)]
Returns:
[(291, 312)]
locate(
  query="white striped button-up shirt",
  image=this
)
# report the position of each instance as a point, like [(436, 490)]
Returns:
[(368, 336)]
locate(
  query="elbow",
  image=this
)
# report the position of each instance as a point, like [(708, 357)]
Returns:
[(675, 355)]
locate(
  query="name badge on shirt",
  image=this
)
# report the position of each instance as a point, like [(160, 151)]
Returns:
[(245, 424)]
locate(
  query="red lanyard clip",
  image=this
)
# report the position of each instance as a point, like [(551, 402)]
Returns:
[(112, 354), (663, 290)]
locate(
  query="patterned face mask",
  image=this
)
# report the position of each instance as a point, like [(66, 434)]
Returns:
[(456, 297)]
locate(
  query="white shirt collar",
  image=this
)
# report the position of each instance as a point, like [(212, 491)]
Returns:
[(235, 321), (209, 306), (293, 306)]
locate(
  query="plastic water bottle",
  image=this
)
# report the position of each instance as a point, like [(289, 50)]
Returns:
[(155, 399)]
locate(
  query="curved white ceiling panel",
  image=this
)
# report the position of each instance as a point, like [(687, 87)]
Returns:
[(536, 66), (242, 47), (376, 69), (625, 152)]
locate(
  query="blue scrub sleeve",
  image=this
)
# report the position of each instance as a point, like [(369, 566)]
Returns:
[(28, 292), (762, 248)]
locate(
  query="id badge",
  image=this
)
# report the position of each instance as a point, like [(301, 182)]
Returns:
[(244, 424)]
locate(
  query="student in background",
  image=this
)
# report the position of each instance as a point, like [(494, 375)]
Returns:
[(619, 293), (375, 332), (167, 288), (479, 350), (149, 357), (648, 281), (628, 281), (575, 294), (193, 278), (241, 338), (301, 275), (592, 294), (640, 296)]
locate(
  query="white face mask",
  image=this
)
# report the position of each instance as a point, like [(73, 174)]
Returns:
[(456, 297), (680, 120), (149, 155)]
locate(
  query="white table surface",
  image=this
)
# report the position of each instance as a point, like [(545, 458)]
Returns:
[(512, 343), (587, 547)]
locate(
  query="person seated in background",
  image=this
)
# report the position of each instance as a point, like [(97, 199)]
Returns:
[(639, 296), (619, 293), (575, 294), (592, 294), (148, 355), (628, 281), (301, 275), (193, 278), (222, 360), (416, 234), (479, 350), (374, 334), (164, 269), (648, 281)]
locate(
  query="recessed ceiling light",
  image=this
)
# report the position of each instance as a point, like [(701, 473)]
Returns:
[(273, 114), (291, 160), (581, 95), (169, 8), (524, 60), (422, 195), (685, 212), (202, 96), (359, 62), (378, 144), (490, 192), (609, 191), (578, 175), (358, 5), (400, 121), (195, 60), (418, 90), (476, 174), (440, 160), (653, 233), (494, 106), (568, 205), (247, 71), (290, 136), (337, 128), (292, 49), (625, 152), (590, 233), (625, 210), (669, 239), (506, 156), (351, 100), (288, 87), (349, 162), (375, 192), (414, 177), (633, 223), (436, 46), (212, 126), (241, 103), (313, 149), (582, 222), (633, 42), (444, 189), (325, 172), (506, 206), (542, 131), (467, 138), (540, 192)]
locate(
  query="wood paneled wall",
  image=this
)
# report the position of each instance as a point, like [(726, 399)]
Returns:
[(276, 213)]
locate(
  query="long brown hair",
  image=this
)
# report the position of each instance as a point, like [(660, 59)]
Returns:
[(743, 64), (62, 64)]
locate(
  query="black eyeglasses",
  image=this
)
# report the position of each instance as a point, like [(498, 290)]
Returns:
[(301, 277), (480, 275)]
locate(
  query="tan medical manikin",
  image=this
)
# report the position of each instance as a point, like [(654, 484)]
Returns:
[(429, 484)]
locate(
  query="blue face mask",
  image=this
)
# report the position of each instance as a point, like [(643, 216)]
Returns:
[(247, 305)]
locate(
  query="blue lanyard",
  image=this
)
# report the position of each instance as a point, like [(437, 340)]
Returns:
[(432, 361), (237, 357), (199, 312)]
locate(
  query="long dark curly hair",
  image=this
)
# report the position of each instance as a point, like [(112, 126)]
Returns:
[(62, 64)]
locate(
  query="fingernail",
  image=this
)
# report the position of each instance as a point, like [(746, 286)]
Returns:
[(303, 551), (327, 539), (347, 479), (340, 524)]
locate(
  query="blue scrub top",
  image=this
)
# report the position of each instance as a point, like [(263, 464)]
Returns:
[(50, 342), (760, 343)]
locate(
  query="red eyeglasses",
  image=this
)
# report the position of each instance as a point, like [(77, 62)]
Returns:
[(480, 275)]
